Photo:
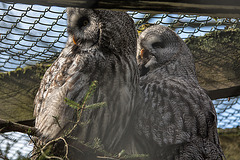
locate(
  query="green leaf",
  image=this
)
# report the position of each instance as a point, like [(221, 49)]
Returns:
[(96, 105), (90, 92), (72, 104)]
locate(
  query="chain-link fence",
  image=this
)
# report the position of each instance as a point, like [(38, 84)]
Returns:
[(15, 146), (30, 34)]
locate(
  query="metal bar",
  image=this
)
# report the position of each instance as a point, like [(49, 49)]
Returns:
[(216, 8)]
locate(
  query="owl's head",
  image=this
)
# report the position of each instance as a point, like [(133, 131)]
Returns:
[(111, 31), (159, 46), (83, 27)]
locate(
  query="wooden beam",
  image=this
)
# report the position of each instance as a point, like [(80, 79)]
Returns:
[(216, 8)]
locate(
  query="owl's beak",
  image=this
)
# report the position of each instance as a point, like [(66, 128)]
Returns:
[(141, 53), (151, 62), (74, 40)]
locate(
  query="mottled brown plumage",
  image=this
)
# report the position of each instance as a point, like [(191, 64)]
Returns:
[(178, 120)]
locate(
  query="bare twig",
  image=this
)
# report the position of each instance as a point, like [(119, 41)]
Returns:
[(50, 157), (103, 157), (8, 126), (66, 146)]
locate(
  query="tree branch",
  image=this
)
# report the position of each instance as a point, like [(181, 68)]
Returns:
[(8, 126)]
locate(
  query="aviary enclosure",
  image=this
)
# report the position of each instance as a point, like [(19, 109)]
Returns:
[(33, 35)]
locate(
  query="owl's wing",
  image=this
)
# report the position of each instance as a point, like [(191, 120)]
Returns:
[(63, 79), (176, 111)]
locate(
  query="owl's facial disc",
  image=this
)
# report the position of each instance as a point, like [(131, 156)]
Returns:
[(83, 29), (82, 22), (88, 34)]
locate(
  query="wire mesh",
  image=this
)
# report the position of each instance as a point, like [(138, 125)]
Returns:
[(30, 34), (15, 145), (228, 112)]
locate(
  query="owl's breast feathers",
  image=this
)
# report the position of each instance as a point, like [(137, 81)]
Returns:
[(63, 79), (177, 114), (69, 77)]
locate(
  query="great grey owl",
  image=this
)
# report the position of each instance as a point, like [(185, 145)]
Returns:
[(101, 46), (178, 120)]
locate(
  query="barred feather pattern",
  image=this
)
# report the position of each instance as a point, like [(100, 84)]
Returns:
[(178, 120), (104, 51)]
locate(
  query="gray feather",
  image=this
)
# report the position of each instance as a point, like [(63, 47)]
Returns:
[(178, 120)]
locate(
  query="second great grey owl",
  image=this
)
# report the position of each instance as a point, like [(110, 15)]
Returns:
[(101, 46), (178, 120)]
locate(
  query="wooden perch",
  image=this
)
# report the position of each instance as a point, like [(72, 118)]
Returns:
[(8, 126), (85, 152)]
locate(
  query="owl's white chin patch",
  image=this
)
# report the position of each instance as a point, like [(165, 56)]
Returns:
[(151, 62)]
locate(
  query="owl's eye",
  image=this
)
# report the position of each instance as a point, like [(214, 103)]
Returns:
[(158, 45), (83, 21)]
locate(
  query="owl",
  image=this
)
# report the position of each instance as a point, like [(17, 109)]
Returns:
[(101, 47), (178, 119)]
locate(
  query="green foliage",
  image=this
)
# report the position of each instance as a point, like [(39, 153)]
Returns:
[(87, 97), (90, 92), (77, 106), (72, 104), (97, 144), (96, 105)]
